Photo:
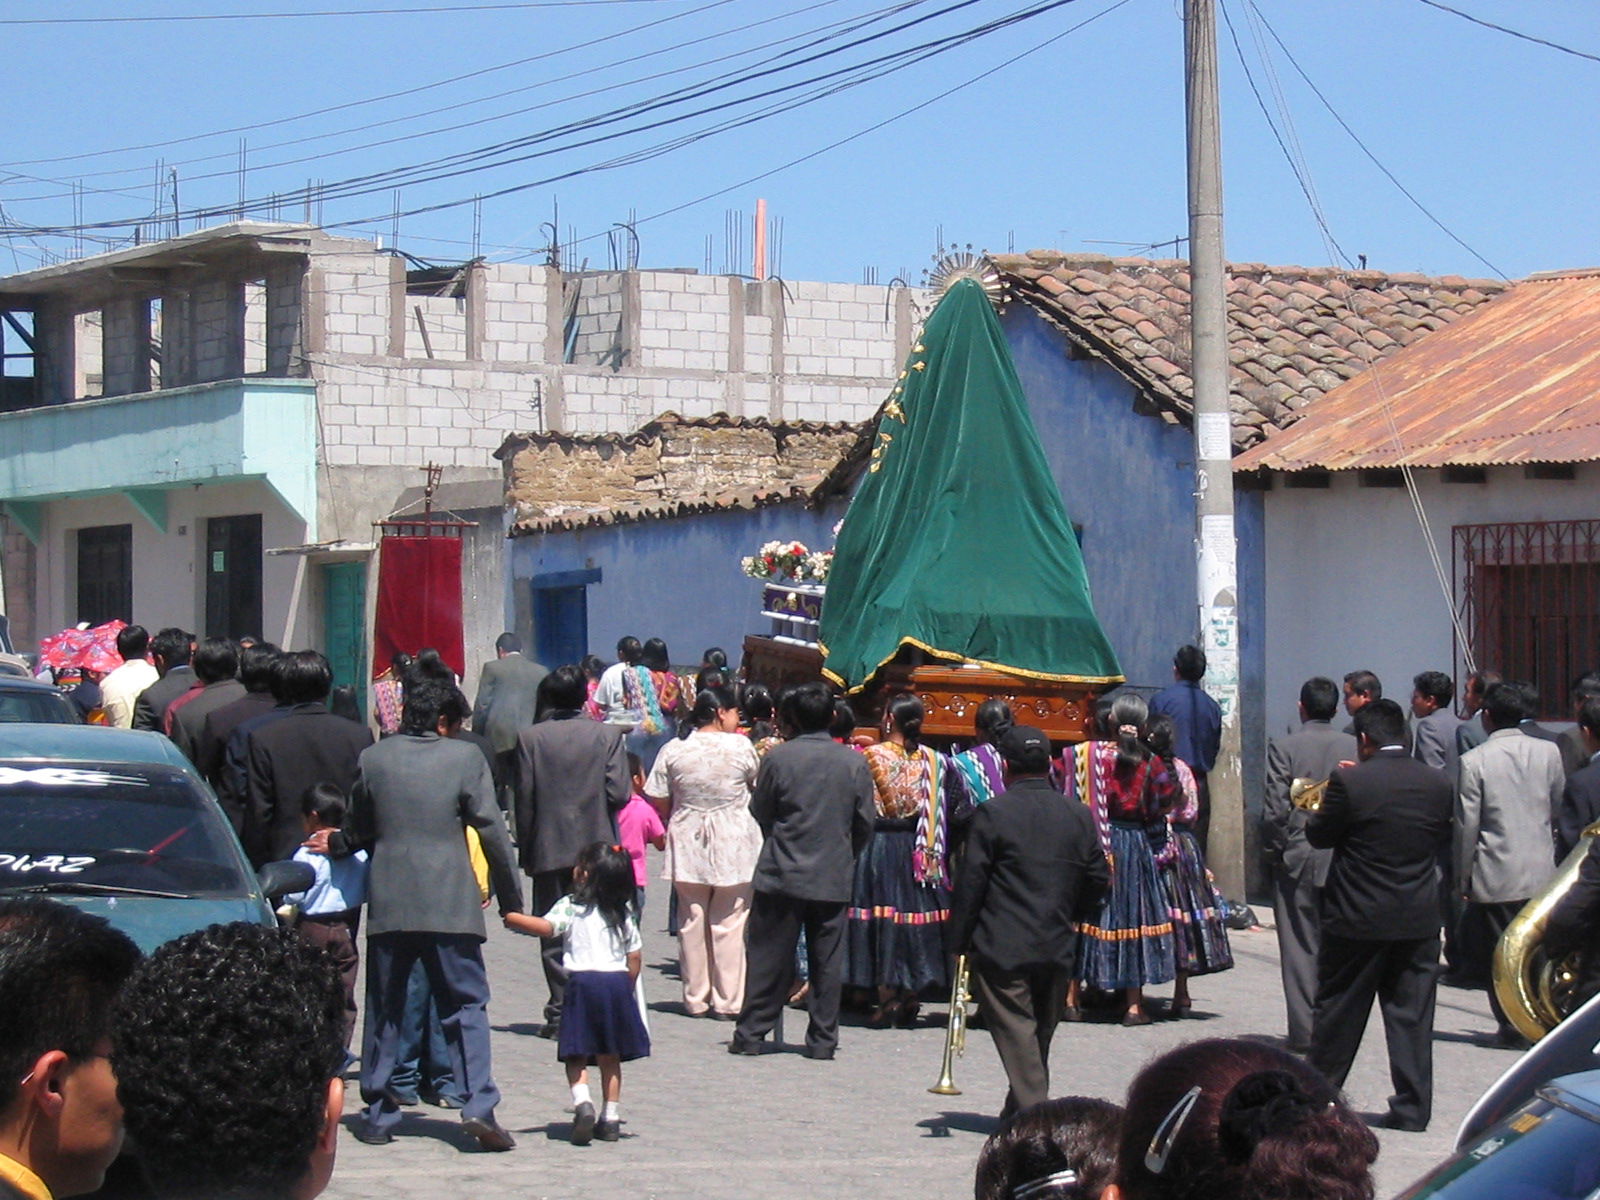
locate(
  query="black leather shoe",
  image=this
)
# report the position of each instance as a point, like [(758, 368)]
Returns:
[(489, 1133), (608, 1131), (1404, 1124), (372, 1137), (582, 1124), (740, 1046), (820, 1053)]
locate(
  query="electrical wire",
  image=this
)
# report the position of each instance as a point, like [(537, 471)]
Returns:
[(499, 155), (166, 18), (1516, 33)]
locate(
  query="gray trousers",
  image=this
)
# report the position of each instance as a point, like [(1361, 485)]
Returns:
[(1021, 1010), (454, 964), (1296, 906)]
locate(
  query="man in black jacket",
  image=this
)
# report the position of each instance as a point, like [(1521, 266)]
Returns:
[(1386, 821), (1032, 869), (1580, 798)]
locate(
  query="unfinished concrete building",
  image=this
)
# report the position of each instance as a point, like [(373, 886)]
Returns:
[(202, 431)]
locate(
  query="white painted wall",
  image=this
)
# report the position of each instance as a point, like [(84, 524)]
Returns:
[(168, 588), (1350, 584)]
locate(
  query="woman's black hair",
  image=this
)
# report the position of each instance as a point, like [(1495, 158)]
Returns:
[(905, 713), (756, 709), (342, 702), (716, 657), (602, 878), (1054, 1150), (1128, 717), (592, 666), (708, 703), (710, 677), (1160, 734), (654, 655), (992, 720), (844, 719)]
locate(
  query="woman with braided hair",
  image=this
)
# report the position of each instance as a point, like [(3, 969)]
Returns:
[(1242, 1120)]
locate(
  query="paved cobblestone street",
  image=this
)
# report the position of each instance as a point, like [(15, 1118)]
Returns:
[(701, 1123)]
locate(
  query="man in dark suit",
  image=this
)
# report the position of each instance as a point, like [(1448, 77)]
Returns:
[(508, 693), (1386, 821), (1032, 869), (1580, 797), (216, 665), (255, 673), (1472, 732), (170, 651), (1360, 689), (308, 745), (1433, 736), (572, 780), (1297, 870), (814, 802), (412, 801)]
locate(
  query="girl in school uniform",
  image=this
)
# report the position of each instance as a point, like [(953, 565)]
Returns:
[(600, 1018)]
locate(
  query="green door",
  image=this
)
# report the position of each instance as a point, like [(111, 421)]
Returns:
[(344, 631)]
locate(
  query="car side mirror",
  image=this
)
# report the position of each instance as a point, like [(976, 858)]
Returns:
[(281, 878)]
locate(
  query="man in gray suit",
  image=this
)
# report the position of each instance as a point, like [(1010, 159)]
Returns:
[(414, 796), (1508, 793), (572, 779), (1298, 870), (1433, 735), (508, 695), (1471, 732)]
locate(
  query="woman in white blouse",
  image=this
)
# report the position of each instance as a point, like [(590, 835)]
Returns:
[(702, 784)]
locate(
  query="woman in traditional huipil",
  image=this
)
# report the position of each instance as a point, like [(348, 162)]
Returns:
[(703, 783), (902, 886), (982, 768), (1130, 945), (1200, 936), (653, 695)]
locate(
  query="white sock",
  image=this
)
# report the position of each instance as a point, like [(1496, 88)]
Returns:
[(580, 1094), (611, 1112)]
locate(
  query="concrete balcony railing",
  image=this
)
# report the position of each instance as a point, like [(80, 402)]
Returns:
[(145, 444)]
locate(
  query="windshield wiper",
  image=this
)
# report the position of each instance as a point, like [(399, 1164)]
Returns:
[(79, 887)]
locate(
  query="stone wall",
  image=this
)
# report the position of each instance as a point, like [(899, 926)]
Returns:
[(668, 461)]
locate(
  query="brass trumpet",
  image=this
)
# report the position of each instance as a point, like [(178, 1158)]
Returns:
[(955, 1033), (1307, 794)]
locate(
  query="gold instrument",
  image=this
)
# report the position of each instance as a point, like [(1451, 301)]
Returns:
[(955, 1034), (1536, 991), (1307, 794)]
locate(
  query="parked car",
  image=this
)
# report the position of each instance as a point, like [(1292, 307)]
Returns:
[(33, 701), (1548, 1149), (118, 823)]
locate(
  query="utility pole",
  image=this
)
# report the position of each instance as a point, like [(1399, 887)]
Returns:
[(1213, 440)]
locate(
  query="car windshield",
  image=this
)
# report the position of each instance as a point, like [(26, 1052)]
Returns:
[(98, 831), (1545, 1152), (38, 707)]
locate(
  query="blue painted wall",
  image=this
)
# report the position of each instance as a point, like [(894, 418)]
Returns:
[(675, 579), (1128, 480)]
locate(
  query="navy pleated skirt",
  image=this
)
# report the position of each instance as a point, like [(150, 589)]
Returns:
[(600, 1015)]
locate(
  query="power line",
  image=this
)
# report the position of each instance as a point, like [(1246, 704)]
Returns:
[(1516, 33), (1375, 160), (324, 12), (496, 156)]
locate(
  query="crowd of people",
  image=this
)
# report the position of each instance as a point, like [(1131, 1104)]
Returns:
[(817, 864)]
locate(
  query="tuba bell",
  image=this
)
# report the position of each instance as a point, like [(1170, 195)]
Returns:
[(1307, 794), (1536, 991)]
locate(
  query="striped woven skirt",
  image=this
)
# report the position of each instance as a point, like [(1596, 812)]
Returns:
[(1130, 944), (894, 932), (1198, 929)]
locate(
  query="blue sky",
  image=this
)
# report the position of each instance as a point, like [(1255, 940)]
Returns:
[(1076, 146)]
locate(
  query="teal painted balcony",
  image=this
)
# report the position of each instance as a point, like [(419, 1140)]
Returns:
[(145, 444)]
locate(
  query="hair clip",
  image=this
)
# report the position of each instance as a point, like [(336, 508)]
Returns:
[(616, 849), (1131, 730), (1166, 1134), (1066, 1177)]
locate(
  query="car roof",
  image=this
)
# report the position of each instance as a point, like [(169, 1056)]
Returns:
[(88, 743), (16, 683)]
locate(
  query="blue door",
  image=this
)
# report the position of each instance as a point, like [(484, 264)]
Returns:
[(561, 616)]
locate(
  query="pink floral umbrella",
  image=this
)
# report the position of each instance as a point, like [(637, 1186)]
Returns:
[(93, 648)]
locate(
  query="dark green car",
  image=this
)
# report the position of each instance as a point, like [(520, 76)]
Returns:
[(118, 823)]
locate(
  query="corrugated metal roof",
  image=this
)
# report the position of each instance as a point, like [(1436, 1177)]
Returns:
[(1517, 381)]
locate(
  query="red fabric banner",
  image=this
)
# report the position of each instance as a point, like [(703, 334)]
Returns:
[(419, 600)]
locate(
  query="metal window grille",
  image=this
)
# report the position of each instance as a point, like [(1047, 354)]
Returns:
[(1528, 595)]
